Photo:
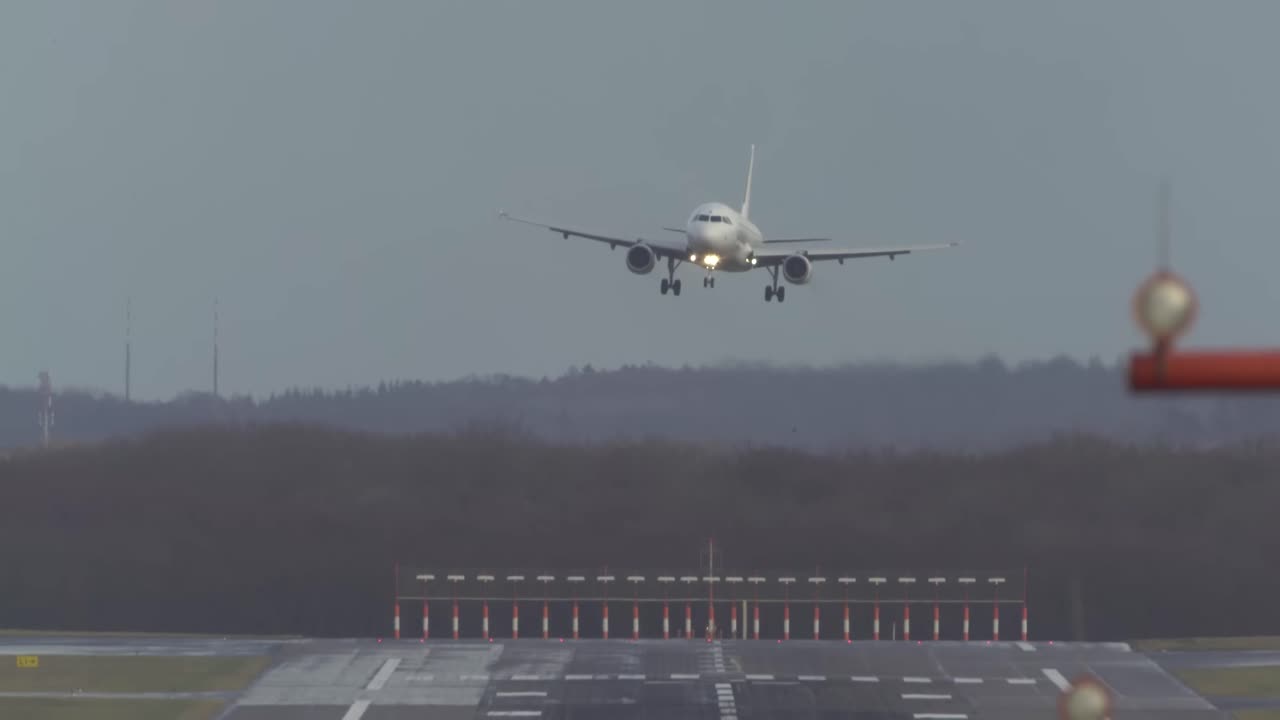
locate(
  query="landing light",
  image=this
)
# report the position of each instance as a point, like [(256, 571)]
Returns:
[(693, 258), (711, 260)]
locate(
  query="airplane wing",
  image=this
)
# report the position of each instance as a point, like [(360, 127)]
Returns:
[(662, 251), (770, 257)]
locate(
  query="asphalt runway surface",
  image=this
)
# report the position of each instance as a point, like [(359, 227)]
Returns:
[(676, 679)]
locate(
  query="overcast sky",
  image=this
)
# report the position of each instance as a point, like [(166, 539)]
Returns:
[(331, 171)]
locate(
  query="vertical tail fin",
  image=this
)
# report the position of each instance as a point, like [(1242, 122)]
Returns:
[(746, 202)]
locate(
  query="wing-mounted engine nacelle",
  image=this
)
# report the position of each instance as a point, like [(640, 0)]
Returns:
[(797, 269), (641, 259)]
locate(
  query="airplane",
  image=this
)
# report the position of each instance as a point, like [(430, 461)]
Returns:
[(718, 238)]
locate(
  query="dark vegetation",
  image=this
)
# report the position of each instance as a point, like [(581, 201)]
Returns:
[(289, 529), (976, 406)]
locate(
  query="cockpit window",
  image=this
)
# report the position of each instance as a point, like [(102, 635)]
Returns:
[(725, 220), (715, 218), (704, 218)]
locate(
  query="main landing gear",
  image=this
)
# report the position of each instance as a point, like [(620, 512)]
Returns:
[(671, 282), (774, 290)]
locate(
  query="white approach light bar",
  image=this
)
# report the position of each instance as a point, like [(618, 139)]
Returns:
[(576, 578), (846, 580), (635, 578), (755, 579), (425, 578), (906, 580), (546, 578), (485, 578), (666, 578), (456, 578), (515, 578), (817, 580)]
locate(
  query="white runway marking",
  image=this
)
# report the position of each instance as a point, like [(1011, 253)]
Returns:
[(533, 677), (919, 696), (681, 676), (523, 693), (864, 678), (916, 680), (940, 716), (577, 677), (1022, 681), (481, 678), (356, 711), (759, 677), (383, 674), (968, 681), (1057, 678), (1027, 647), (515, 713), (812, 678), (630, 677)]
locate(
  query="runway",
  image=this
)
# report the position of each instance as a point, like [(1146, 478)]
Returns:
[(679, 679)]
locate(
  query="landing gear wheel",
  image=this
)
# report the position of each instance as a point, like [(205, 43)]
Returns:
[(664, 286), (712, 281), (768, 293), (781, 293), (675, 287)]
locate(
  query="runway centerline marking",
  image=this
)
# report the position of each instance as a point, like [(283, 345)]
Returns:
[(940, 716), (967, 681), (921, 680), (864, 678), (1057, 678), (383, 674), (921, 696), (759, 677), (812, 678), (1021, 681)]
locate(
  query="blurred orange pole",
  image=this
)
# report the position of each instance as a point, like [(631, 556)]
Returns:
[(1205, 370)]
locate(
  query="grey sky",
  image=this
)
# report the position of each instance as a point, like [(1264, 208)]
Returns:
[(331, 171)]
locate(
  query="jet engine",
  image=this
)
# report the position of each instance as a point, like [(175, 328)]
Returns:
[(797, 269), (641, 259)]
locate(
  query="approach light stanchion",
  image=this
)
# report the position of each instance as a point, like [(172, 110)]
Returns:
[(546, 605), (711, 581), (906, 607), (966, 582), (515, 604), (1085, 699), (688, 580), (484, 627), (875, 617), (604, 621), (786, 606), (635, 605), (1024, 604), (817, 607), (454, 580), (426, 606), (995, 608), (575, 582), (755, 581), (396, 573), (733, 606), (846, 582), (937, 593), (665, 581)]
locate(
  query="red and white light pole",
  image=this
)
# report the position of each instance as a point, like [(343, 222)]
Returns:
[(575, 581), (454, 580), (846, 582), (515, 604), (875, 617), (396, 624), (786, 606), (666, 581), (546, 605), (688, 580), (733, 606), (635, 605), (426, 615), (937, 595), (995, 608), (906, 606), (755, 581), (966, 582), (484, 627), (1024, 604), (604, 622), (817, 605)]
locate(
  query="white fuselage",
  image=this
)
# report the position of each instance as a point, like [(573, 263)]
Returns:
[(719, 238)]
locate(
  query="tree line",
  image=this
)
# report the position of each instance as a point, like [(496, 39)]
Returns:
[(986, 405), (290, 528)]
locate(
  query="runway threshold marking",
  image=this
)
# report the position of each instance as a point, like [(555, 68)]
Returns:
[(356, 711), (631, 677), (684, 676), (1057, 678), (578, 677), (515, 713), (383, 674)]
